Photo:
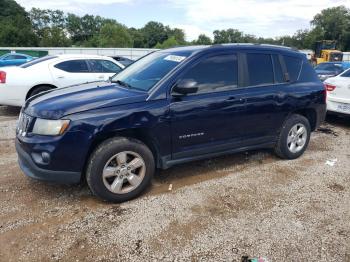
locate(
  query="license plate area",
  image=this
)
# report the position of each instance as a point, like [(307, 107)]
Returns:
[(343, 107)]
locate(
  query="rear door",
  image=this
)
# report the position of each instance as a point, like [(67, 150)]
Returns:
[(266, 96), (211, 120), (103, 69), (71, 72)]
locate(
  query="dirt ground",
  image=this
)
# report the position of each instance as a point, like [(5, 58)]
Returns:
[(249, 204)]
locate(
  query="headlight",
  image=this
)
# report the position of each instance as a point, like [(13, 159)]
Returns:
[(50, 127)]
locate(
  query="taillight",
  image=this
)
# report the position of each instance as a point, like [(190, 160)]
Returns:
[(2, 77), (329, 87), (325, 92)]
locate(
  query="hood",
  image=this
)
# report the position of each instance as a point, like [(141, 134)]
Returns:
[(60, 102)]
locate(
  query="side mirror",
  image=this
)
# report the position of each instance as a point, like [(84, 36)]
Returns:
[(184, 87)]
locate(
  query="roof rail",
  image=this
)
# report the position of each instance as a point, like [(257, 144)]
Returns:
[(267, 45)]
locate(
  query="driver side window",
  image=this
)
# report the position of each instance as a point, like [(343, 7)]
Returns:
[(214, 74)]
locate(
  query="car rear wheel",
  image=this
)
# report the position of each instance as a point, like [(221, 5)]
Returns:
[(38, 90), (120, 169), (294, 137)]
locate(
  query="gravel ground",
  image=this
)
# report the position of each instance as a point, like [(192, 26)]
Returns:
[(250, 204)]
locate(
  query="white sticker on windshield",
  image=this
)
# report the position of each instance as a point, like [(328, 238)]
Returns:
[(175, 58)]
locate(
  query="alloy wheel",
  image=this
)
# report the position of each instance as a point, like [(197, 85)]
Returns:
[(124, 172), (297, 138)]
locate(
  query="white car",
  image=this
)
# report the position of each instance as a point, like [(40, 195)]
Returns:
[(338, 93), (19, 83)]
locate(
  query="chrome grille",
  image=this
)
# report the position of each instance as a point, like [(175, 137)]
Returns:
[(23, 125)]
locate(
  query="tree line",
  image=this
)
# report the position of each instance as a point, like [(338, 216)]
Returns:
[(54, 28)]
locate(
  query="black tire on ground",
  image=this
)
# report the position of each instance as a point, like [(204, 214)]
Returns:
[(38, 90), (103, 154), (282, 148)]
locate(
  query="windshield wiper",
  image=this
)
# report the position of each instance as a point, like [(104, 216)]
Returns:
[(122, 83)]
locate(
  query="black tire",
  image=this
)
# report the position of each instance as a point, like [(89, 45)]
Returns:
[(103, 154), (38, 90), (282, 148)]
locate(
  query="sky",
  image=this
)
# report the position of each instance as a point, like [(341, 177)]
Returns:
[(266, 18)]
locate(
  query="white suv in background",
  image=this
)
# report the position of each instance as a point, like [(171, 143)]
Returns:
[(19, 83), (338, 93)]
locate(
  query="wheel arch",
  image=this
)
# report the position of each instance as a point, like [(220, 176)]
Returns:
[(137, 134), (310, 114), (36, 86)]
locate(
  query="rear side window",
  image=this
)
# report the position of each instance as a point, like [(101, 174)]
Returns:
[(74, 66), (293, 65), (260, 70), (215, 73), (104, 66), (279, 78), (20, 57), (308, 73)]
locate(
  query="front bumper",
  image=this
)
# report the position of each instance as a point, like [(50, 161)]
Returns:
[(30, 169)]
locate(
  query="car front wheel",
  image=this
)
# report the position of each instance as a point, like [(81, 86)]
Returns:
[(120, 169)]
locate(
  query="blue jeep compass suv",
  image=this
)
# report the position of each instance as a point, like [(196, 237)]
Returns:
[(170, 107)]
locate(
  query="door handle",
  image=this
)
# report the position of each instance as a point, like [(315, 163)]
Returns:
[(232, 98), (101, 77), (281, 94), (60, 77)]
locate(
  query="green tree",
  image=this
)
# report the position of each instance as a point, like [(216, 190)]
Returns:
[(177, 33), (154, 33), (74, 28), (227, 36), (335, 24), (137, 37), (43, 19), (40, 20), (16, 29), (10, 8), (312, 37), (54, 37), (114, 35), (170, 42), (203, 40), (83, 29)]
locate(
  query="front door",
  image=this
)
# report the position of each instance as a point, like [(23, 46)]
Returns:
[(211, 119), (102, 70)]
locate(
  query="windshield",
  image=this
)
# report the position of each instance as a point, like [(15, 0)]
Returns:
[(336, 57), (148, 71), (37, 60)]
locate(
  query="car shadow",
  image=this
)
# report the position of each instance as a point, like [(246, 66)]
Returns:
[(9, 111), (199, 171), (341, 121)]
